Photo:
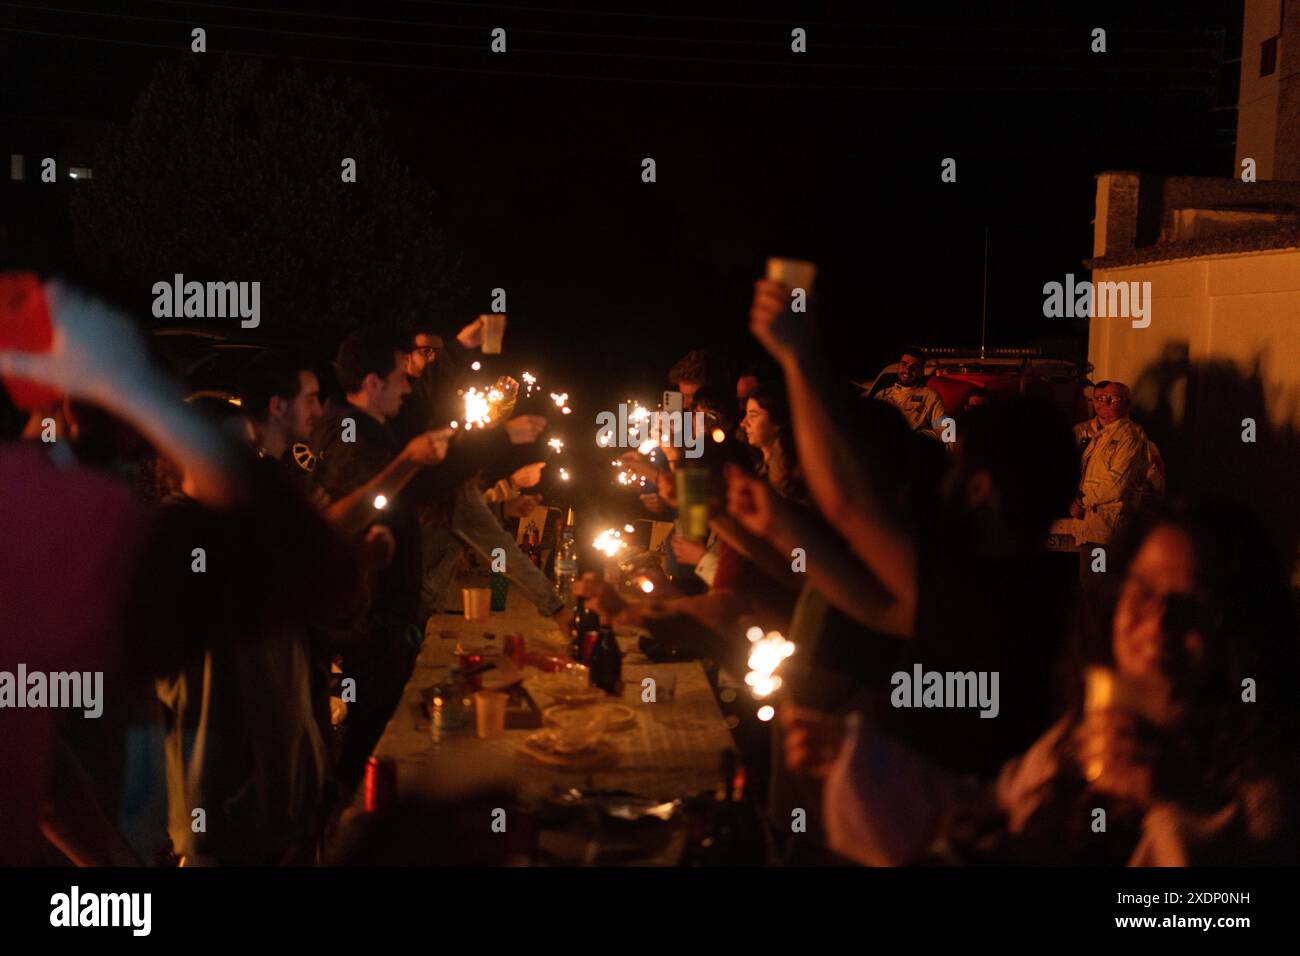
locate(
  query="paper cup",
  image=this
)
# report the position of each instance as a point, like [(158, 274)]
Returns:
[(478, 603), (792, 273), (494, 330), (1149, 698), (490, 713)]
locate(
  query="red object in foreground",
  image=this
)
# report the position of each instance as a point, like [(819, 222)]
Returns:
[(381, 784), (25, 326), (516, 650)]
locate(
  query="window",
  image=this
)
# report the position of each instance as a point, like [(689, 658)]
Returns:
[(1268, 57), (79, 172)]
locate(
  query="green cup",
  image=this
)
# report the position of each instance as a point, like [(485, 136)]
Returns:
[(693, 503)]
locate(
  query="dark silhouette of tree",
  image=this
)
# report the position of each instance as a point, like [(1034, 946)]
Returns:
[(233, 172)]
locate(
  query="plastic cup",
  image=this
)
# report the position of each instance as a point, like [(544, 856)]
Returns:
[(489, 713), (792, 273), (494, 330), (478, 603), (693, 503)]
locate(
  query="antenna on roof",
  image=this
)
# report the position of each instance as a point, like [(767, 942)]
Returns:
[(984, 304)]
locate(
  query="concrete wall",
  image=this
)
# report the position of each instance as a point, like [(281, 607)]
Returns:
[(1257, 100), (1223, 345)]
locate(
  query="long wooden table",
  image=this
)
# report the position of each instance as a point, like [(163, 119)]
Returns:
[(671, 752)]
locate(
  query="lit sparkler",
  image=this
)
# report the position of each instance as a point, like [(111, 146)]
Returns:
[(496, 402), (766, 654), (609, 542), (627, 477)]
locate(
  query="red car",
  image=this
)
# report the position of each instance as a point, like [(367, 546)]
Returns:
[(954, 372)]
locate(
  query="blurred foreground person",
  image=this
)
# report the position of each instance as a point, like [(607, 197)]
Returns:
[(1177, 749), (92, 581), (967, 583)]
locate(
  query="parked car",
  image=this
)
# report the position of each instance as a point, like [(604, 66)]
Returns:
[(954, 372)]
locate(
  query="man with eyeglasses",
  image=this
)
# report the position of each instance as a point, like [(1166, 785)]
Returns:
[(1117, 457)]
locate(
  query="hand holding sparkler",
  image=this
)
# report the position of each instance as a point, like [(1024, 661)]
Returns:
[(636, 462), (528, 476), (525, 429), (429, 448)]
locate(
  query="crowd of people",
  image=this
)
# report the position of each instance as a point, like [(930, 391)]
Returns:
[(230, 581), (228, 578), (890, 542)]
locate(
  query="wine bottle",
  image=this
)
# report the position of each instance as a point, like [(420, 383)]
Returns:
[(576, 629), (607, 662)]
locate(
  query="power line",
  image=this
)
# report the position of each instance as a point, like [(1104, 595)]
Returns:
[(791, 64), (609, 78)]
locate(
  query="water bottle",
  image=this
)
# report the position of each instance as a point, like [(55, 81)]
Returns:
[(566, 564)]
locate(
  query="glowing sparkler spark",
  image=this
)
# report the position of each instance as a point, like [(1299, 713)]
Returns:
[(482, 408), (557, 444), (609, 542), (766, 654), (628, 477), (478, 410), (564, 474)]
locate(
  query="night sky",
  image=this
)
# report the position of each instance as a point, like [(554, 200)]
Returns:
[(833, 155)]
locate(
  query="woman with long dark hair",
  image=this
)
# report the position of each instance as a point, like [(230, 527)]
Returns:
[(769, 432), (1178, 745)]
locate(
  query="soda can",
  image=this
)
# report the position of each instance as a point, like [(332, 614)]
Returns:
[(381, 784)]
